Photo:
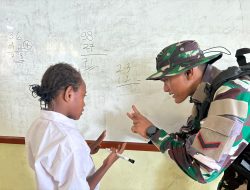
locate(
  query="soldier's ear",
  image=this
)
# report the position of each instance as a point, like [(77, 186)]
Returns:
[(189, 73)]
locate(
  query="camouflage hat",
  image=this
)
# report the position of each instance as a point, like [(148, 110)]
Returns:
[(180, 57)]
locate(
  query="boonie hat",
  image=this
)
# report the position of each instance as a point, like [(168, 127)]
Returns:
[(180, 57)]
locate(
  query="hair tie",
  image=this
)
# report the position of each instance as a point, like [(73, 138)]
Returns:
[(44, 94)]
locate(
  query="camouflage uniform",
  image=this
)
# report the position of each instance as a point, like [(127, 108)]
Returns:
[(204, 154)]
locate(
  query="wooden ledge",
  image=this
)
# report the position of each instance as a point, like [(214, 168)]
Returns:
[(105, 144)]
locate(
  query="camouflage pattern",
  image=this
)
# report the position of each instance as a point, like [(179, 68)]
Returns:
[(205, 158), (180, 57)]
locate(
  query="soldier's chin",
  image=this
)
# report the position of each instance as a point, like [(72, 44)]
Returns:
[(178, 100)]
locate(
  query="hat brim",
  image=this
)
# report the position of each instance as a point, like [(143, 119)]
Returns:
[(171, 72)]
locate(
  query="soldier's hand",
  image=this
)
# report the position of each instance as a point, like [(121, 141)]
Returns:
[(140, 122)]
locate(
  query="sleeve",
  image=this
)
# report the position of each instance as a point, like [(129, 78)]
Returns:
[(223, 135)]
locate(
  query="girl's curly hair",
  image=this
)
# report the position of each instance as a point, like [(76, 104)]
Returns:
[(57, 77)]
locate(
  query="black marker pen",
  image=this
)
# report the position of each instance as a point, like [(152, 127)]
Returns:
[(123, 157)]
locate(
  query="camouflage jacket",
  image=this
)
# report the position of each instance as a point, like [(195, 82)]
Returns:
[(223, 134)]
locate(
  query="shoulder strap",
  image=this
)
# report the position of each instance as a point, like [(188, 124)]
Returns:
[(231, 73), (241, 59)]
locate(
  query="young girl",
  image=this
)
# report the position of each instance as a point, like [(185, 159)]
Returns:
[(57, 152)]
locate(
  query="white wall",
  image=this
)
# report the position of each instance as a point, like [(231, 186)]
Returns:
[(114, 44)]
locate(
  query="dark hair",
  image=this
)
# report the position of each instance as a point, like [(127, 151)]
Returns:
[(202, 67), (57, 77)]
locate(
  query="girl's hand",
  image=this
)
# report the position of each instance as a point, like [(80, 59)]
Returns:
[(112, 157), (95, 146)]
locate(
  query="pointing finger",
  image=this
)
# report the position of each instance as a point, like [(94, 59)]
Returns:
[(135, 109), (130, 115)]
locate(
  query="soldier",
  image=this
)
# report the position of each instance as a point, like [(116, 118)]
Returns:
[(206, 146)]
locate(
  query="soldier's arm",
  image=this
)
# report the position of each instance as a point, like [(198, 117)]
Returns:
[(208, 153)]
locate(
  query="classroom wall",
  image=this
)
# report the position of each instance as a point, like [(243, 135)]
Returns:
[(114, 44), (151, 171)]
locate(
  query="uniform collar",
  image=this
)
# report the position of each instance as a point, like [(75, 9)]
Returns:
[(57, 117), (209, 75)]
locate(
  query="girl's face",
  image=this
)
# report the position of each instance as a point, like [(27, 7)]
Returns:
[(77, 102)]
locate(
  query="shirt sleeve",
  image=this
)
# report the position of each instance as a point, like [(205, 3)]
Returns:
[(224, 134)]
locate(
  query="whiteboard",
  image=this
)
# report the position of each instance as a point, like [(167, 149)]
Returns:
[(114, 44)]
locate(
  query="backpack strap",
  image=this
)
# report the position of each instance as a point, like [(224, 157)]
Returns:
[(242, 163), (241, 59), (231, 73)]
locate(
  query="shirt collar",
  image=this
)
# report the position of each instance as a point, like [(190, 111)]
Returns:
[(57, 117), (209, 75)]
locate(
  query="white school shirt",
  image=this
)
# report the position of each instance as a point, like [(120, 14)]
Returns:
[(58, 153)]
